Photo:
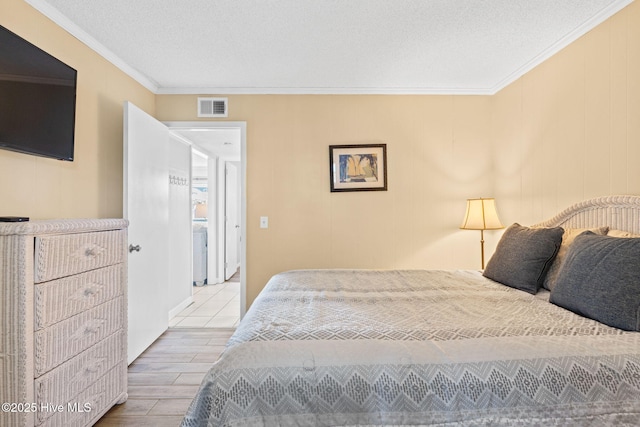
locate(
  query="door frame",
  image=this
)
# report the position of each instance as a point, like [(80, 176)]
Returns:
[(232, 222), (177, 125)]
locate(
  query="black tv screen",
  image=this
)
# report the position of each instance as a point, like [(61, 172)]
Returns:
[(37, 100)]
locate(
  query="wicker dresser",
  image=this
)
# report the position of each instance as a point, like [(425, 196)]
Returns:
[(63, 321)]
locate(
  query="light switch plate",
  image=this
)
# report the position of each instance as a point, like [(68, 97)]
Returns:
[(264, 222)]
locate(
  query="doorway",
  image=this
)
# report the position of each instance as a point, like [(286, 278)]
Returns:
[(222, 147)]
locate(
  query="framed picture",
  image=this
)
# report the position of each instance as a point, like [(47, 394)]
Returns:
[(358, 167)]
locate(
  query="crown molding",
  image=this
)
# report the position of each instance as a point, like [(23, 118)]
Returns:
[(61, 20), (43, 7), (321, 91), (52, 13), (571, 37)]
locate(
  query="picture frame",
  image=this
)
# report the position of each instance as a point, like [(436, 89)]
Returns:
[(361, 167)]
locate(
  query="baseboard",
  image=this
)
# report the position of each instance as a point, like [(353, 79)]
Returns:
[(178, 308)]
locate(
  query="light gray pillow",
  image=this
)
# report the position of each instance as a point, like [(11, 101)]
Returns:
[(523, 256), (567, 238), (621, 233), (600, 279)]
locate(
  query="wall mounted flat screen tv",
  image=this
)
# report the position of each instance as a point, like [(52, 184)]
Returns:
[(37, 100)]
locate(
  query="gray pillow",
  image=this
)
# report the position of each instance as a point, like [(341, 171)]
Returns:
[(523, 256), (600, 279), (567, 238)]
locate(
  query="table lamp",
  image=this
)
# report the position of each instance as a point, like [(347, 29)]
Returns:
[(481, 215)]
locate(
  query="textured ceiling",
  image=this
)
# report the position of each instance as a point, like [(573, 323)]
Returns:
[(327, 46), (223, 142)]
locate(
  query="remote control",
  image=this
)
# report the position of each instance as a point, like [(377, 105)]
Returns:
[(14, 218)]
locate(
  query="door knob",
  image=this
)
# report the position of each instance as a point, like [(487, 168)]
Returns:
[(134, 248)]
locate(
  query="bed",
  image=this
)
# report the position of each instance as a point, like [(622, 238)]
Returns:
[(447, 348)]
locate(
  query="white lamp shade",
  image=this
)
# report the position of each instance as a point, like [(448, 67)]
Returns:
[(481, 215)]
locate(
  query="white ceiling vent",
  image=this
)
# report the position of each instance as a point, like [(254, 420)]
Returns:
[(212, 107)]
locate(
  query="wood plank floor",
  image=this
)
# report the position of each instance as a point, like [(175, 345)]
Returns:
[(166, 377)]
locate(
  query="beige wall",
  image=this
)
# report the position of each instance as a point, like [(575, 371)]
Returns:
[(570, 129), (566, 131), (438, 157), (91, 185)]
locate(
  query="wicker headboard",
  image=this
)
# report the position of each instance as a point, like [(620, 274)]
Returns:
[(618, 212)]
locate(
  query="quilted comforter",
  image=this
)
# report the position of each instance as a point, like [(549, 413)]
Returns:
[(439, 348)]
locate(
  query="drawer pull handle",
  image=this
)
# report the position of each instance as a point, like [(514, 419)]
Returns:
[(89, 292), (136, 248), (93, 326), (90, 252), (92, 366)]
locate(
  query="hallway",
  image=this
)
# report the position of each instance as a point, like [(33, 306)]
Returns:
[(214, 306)]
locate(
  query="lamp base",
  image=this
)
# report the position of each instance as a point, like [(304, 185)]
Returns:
[(482, 247)]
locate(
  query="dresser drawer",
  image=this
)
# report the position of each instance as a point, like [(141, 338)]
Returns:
[(67, 382), (63, 255), (70, 337), (98, 398), (62, 298)]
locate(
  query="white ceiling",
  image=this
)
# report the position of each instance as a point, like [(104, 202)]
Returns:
[(327, 46), (222, 142)]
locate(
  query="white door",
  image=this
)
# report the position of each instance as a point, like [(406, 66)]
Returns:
[(146, 206), (232, 221)]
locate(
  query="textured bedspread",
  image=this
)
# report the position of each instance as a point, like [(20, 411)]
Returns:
[(363, 347)]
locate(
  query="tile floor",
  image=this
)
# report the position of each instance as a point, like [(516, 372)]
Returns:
[(214, 306)]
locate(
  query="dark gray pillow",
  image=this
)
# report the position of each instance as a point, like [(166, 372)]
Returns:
[(600, 279), (523, 256)]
